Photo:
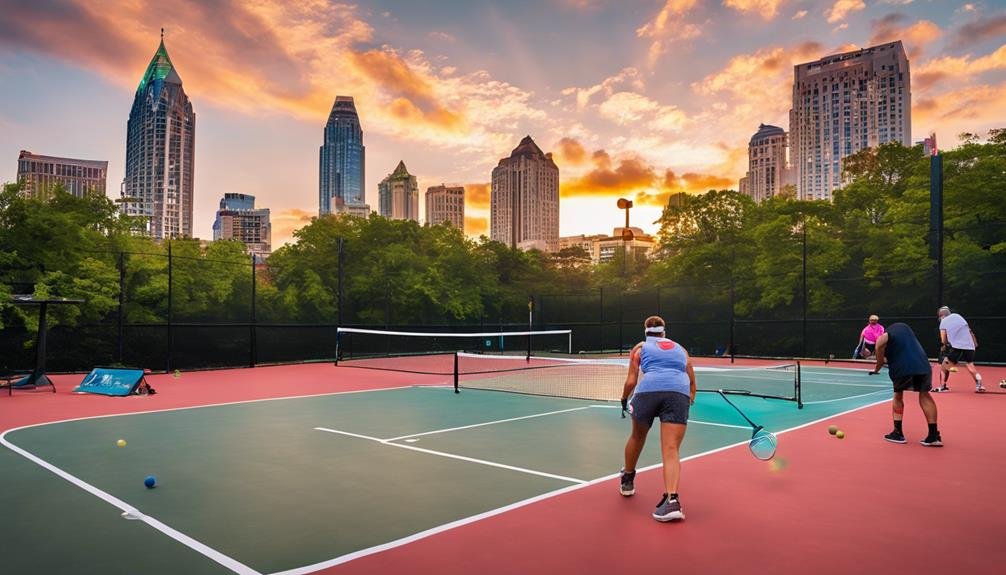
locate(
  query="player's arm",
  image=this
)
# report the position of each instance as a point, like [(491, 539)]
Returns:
[(943, 337), (881, 347), (631, 378), (692, 388)]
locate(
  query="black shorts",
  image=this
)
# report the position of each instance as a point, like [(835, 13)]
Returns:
[(870, 346), (670, 406), (955, 355), (919, 382)]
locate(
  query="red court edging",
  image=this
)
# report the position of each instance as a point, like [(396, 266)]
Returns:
[(856, 505)]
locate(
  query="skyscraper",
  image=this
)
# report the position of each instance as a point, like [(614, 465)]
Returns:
[(342, 158), (842, 104), (160, 151), (767, 171), (398, 195), (237, 219), (446, 204), (524, 199), (78, 177)]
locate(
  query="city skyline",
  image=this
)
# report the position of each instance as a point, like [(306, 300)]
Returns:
[(667, 103)]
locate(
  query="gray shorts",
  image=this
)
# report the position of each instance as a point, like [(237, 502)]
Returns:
[(670, 406)]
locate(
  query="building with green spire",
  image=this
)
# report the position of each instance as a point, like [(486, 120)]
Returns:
[(398, 195), (160, 151)]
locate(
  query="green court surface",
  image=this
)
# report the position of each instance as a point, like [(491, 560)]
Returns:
[(295, 484)]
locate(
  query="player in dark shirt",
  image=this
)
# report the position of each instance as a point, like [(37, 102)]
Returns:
[(909, 369)]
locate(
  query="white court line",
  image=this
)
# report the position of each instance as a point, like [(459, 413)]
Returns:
[(486, 423), (304, 570), (845, 398), (453, 456), (182, 538)]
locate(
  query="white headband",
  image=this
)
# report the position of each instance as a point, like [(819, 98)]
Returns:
[(655, 330)]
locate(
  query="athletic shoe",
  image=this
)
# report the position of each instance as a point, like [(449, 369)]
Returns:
[(668, 510), (942, 389), (1002, 384), (628, 488), (932, 441), (895, 437), (979, 388)]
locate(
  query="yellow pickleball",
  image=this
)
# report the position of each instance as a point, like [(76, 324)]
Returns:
[(121, 443)]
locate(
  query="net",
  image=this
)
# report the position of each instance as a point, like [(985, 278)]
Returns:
[(604, 379), (434, 352)]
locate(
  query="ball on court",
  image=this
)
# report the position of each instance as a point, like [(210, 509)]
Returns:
[(840, 434), (150, 481), (777, 464), (121, 443), (833, 429), (178, 373)]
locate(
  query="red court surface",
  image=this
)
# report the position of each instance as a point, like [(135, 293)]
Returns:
[(856, 505)]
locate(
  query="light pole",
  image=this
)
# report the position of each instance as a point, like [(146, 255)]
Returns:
[(627, 236)]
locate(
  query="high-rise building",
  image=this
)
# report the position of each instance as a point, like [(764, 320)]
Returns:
[(237, 219), (768, 170), (398, 195), (342, 159), (78, 177), (446, 204), (524, 198), (843, 104), (160, 151)]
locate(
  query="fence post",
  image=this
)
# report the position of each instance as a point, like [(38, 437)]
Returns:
[(803, 324), (341, 276), (621, 319), (253, 348), (171, 328), (122, 299), (600, 323)]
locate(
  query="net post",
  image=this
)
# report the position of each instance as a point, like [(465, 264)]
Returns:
[(569, 345), (799, 387), (457, 388), (338, 336)]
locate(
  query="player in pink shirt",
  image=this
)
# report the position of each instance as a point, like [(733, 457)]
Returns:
[(868, 337)]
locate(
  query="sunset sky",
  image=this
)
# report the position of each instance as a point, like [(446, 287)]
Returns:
[(635, 98)]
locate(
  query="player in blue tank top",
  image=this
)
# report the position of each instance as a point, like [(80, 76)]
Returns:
[(666, 390)]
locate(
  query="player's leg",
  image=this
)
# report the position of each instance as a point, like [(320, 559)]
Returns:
[(897, 414), (922, 384), (642, 410), (968, 357), (669, 507), (946, 367), (673, 423)]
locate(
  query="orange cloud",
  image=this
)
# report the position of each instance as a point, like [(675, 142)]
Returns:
[(475, 226), (767, 9), (915, 37), (631, 174), (957, 68), (689, 183), (668, 26), (570, 151), (842, 8), (286, 222), (968, 109), (477, 195)]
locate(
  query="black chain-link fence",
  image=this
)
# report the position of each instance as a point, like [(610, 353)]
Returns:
[(187, 312)]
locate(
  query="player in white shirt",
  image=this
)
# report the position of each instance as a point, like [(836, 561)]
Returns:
[(957, 345)]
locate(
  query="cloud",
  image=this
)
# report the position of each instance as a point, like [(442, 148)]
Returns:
[(959, 69), (688, 183), (631, 174), (968, 109), (439, 35), (767, 9), (476, 226), (800, 14), (980, 30), (285, 222), (570, 151), (626, 108), (842, 8), (915, 37), (667, 27), (269, 56), (477, 195), (630, 76)]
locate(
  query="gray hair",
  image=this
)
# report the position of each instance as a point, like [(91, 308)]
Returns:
[(943, 311)]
